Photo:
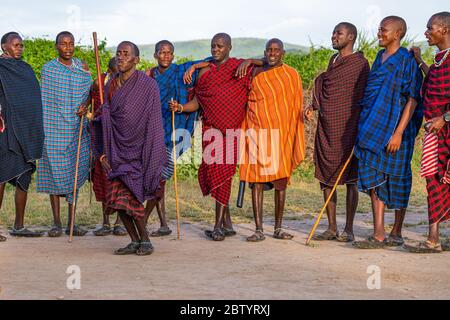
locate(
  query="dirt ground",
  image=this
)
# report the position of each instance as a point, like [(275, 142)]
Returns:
[(195, 268)]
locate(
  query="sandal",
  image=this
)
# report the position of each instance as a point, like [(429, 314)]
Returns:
[(226, 232), (145, 249), (257, 237), (25, 233), (229, 232), (161, 232), (395, 241), (55, 232), (132, 248), (426, 247), (326, 236), (280, 235), (216, 235), (446, 246), (119, 231), (346, 237), (370, 244), (77, 231), (103, 231), (2, 238)]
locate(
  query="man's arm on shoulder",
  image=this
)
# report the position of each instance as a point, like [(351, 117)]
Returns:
[(242, 70), (188, 75)]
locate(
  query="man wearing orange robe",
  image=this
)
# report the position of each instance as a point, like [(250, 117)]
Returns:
[(273, 143)]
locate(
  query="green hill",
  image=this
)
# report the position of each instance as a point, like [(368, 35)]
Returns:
[(199, 49)]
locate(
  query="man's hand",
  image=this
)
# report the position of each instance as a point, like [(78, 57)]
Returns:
[(395, 143), (187, 78), (242, 70), (105, 164), (174, 106), (435, 125), (82, 111), (417, 54), (309, 113)]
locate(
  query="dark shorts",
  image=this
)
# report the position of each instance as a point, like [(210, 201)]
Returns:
[(278, 185), (323, 186)]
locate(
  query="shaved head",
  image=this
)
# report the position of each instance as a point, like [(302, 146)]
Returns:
[(9, 36), (276, 41), (351, 28), (223, 36), (164, 43), (442, 19), (62, 34), (135, 48), (399, 22)]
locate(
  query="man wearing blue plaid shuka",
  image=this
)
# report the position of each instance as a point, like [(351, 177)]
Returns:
[(170, 79), (390, 121), (65, 91)]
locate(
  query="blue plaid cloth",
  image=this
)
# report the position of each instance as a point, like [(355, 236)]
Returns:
[(389, 87), (394, 191), (171, 86), (64, 89)]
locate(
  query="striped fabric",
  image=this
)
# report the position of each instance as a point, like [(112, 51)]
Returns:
[(22, 140), (171, 86), (273, 129), (133, 134), (64, 89), (223, 98), (430, 157), (436, 93), (389, 87), (2, 122), (336, 95)]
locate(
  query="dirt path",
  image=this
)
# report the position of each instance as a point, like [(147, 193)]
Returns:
[(199, 269)]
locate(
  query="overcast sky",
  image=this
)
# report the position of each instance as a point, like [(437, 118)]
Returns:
[(144, 22)]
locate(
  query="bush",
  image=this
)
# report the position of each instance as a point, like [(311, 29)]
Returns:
[(40, 51)]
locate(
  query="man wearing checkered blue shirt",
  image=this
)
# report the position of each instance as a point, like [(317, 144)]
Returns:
[(390, 121)]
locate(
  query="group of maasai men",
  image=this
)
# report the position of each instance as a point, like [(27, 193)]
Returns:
[(252, 113)]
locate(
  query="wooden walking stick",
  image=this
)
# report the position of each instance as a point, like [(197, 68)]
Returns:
[(91, 159), (100, 91), (319, 218), (75, 185), (99, 68), (175, 178)]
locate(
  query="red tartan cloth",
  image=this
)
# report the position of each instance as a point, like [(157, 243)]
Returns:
[(99, 180), (223, 99), (216, 179), (436, 95), (222, 96), (438, 200), (336, 95), (120, 198)]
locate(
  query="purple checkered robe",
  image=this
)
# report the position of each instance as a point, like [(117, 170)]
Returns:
[(133, 135)]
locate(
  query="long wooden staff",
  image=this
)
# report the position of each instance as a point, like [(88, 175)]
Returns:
[(175, 177), (75, 185), (319, 218), (99, 68), (91, 160), (100, 91)]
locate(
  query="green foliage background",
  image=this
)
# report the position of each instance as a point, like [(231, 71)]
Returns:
[(40, 51)]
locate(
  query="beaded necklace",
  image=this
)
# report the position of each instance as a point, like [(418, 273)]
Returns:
[(438, 64)]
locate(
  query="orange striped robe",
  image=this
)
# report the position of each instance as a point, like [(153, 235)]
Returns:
[(273, 138)]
